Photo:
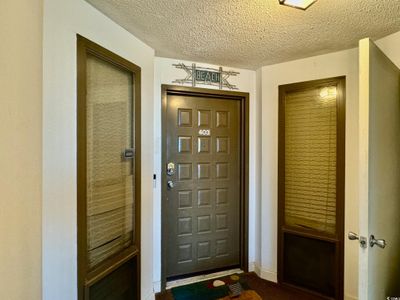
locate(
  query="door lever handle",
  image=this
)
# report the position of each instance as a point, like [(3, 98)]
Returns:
[(379, 242), (353, 236)]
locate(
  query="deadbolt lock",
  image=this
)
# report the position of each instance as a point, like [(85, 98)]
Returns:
[(170, 169)]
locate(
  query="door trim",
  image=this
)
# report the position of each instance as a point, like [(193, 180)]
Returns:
[(244, 164), (338, 237)]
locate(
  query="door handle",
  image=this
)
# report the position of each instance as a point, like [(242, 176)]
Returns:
[(379, 242), (170, 184), (354, 236)]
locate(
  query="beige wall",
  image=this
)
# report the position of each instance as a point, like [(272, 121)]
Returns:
[(20, 148), (390, 45), (63, 20)]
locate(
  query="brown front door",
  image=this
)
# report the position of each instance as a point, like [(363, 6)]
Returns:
[(203, 178)]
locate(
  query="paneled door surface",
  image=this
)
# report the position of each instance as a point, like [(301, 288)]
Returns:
[(379, 171), (203, 184)]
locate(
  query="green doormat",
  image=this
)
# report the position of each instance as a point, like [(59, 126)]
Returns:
[(205, 290)]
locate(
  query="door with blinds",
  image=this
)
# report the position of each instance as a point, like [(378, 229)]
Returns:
[(311, 186), (108, 169)]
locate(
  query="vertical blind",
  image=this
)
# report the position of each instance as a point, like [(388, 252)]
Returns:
[(310, 159), (110, 189)]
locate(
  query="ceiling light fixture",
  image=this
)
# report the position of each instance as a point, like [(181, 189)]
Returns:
[(300, 4)]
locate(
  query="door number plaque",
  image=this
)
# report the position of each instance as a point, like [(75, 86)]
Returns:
[(205, 132)]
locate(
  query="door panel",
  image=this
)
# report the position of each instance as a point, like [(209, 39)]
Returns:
[(379, 271), (203, 206)]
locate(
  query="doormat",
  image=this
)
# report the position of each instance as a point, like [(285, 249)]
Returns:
[(223, 288)]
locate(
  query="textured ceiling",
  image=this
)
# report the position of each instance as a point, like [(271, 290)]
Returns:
[(251, 33)]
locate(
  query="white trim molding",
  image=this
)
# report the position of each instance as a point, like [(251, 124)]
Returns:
[(263, 272), (157, 287), (349, 297), (150, 296)]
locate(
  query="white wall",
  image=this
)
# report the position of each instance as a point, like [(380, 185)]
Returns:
[(318, 67), (390, 45), (62, 21), (20, 149), (165, 73)]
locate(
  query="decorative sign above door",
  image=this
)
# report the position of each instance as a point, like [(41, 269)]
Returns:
[(206, 76)]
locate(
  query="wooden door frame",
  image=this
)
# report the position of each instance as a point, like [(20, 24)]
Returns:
[(244, 164), (86, 278), (337, 238)]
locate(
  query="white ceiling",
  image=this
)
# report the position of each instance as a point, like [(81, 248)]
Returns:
[(251, 33)]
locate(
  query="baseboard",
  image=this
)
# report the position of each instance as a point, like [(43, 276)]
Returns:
[(269, 275), (150, 296), (252, 267), (157, 287), (349, 297), (263, 272)]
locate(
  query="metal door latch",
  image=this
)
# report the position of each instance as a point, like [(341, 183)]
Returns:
[(362, 239), (379, 242)]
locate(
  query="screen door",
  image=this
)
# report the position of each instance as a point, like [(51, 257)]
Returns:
[(108, 161), (311, 186)]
